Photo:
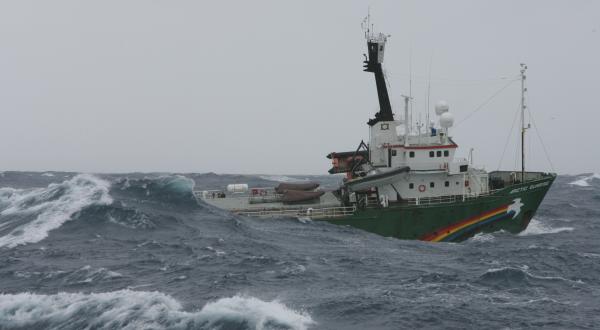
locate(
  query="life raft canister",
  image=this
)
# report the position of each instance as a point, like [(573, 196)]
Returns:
[(422, 188)]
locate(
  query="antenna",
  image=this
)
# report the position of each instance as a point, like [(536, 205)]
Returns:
[(366, 23), (410, 86), (429, 87), (406, 99), (523, 128), (471, 156)]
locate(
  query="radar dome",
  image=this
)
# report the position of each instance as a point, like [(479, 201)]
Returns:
[(441, 107), (446, 120)]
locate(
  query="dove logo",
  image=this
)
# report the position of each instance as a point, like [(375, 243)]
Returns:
[(515, 207)]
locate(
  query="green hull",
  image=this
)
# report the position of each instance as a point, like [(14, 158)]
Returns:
[(508, 209)]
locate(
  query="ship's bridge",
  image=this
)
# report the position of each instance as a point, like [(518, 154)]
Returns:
[(433, 150)]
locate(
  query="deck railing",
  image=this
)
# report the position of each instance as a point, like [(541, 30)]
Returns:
[(449, 198), (325, 212)]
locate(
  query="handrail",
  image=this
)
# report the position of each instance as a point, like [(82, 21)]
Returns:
[(325, 212), (267, 193), (446, 199)]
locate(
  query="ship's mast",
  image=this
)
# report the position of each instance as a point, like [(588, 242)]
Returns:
[(523, 128), (373, 63)]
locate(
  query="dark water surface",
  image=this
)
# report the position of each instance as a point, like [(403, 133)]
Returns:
[(136, 251)]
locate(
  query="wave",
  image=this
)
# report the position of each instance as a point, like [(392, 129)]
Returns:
[(120, 214), (27, 215), (127, 309), (511, 277), (281, 178), (585, 181), (537, 227), (167, 188), (84, 275)]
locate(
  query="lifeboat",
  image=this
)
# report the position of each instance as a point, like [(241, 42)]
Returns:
[(378, 179)]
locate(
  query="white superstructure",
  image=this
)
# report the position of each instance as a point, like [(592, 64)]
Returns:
[(430, 155)]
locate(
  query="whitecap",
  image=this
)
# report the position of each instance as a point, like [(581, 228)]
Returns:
[(88, 274), (295, 269), (536, 227), (521, 273), (589, 255), (482, 237), (304, 219), (48, 207), (585, 181), (127, 309), (47, 174)]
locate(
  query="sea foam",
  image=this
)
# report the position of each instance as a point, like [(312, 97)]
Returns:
[(29, 214), (537, 227), (127, 309)]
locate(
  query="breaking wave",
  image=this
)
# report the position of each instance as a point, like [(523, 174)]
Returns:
[(586, 180), (537, 227), (127, 309), (29, 214)]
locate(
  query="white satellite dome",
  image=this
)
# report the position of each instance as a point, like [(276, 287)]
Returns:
[(446, 120), (441, 107)]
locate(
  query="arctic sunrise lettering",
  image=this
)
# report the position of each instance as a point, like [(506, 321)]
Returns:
[(533, 186)]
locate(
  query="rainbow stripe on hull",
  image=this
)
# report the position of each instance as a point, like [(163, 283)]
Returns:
[(450, 233)]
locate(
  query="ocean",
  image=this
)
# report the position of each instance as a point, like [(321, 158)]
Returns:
[(136, 251)]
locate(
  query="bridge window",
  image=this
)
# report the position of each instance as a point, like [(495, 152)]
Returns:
[(439, 153), (431, 184), (447, 184), (411, 154), (463, 168), (411, 186), (431, 154), (393, 152), (446, 153)]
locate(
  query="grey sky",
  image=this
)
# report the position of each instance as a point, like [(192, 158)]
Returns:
[(273, 86)]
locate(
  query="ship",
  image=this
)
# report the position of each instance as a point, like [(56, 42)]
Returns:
[(404, 182)]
